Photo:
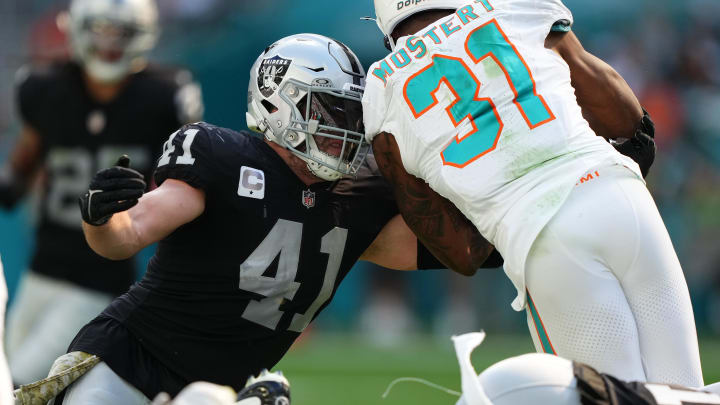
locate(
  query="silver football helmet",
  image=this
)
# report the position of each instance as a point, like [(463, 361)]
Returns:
[(111, 38), (305, 94)]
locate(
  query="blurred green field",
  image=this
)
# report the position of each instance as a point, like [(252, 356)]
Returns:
[(344, 369)]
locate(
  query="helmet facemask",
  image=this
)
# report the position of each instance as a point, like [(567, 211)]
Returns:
[(325, 129), (305, 94)]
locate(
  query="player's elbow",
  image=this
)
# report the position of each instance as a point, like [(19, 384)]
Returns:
[(116, 256), (467, 270), (115, 253)]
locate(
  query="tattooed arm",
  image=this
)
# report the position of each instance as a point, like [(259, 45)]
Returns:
[(441, 227)]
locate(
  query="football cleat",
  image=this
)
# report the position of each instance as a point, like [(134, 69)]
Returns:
[(265, 389)]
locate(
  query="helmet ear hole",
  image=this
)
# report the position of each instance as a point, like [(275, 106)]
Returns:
[(270, 107)]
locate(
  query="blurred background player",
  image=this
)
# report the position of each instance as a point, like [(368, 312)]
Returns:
[(77, 117)]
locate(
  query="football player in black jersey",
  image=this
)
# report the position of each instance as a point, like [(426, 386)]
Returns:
[(254, 234), (78, 116)]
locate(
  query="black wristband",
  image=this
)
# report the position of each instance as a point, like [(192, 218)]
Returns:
[(647, 125), (10, 192), (493, 261), (426, 260)]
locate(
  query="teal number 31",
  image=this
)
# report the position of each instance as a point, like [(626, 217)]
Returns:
[(486, 41)]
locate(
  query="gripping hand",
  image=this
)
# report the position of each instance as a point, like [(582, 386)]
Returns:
[(112, 190), (641, 147)]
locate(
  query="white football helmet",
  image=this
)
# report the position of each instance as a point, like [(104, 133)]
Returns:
[(305, 94), (390, 13), (535, 378), (111, 38)]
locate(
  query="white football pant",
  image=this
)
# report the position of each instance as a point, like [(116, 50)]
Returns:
[(43, 320), (605, 286), (204, 393), (6, 387), (102, 386)]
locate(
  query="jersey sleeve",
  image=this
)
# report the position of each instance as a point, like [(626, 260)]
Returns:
[(188, 156), (560, 17), (534, 19), (375, 102), (188, 99), (29, 92), (373, 201), (561, 26)]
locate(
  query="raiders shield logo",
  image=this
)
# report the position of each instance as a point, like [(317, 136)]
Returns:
[(271, 73), (308, 199)]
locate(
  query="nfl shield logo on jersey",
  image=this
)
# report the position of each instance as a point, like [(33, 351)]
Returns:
[(308, 199)]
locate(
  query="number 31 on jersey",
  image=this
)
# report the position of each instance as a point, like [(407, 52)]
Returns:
[(486, 41)]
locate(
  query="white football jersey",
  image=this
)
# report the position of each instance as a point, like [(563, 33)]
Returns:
[(484, 113)]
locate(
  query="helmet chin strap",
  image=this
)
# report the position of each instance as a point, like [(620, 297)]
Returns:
[(323, 172), (319, 170), (107, 73), (389, 43)]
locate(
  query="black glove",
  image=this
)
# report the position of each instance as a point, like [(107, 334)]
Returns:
[(111, 190), (10, 193), (641, 147)]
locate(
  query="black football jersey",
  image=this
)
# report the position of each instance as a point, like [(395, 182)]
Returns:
[(80, 136), (227, 294), (601, 389)]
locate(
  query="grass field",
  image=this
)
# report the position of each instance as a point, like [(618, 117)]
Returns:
[(339, 369)]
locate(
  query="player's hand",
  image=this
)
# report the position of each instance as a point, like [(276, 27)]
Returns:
[(641, 147), (112, 190)]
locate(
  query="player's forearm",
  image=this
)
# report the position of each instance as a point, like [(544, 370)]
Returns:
[(394, 247), (116, 240), (439, 225), (17, 176), (607, 101), (448, 235)]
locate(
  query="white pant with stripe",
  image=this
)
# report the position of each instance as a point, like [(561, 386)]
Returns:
[(44, 319), (605, 286)]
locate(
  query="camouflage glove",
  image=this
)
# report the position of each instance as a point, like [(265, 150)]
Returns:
[(112, 190)]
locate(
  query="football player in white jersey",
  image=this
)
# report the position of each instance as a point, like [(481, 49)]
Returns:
[(476, 103)]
